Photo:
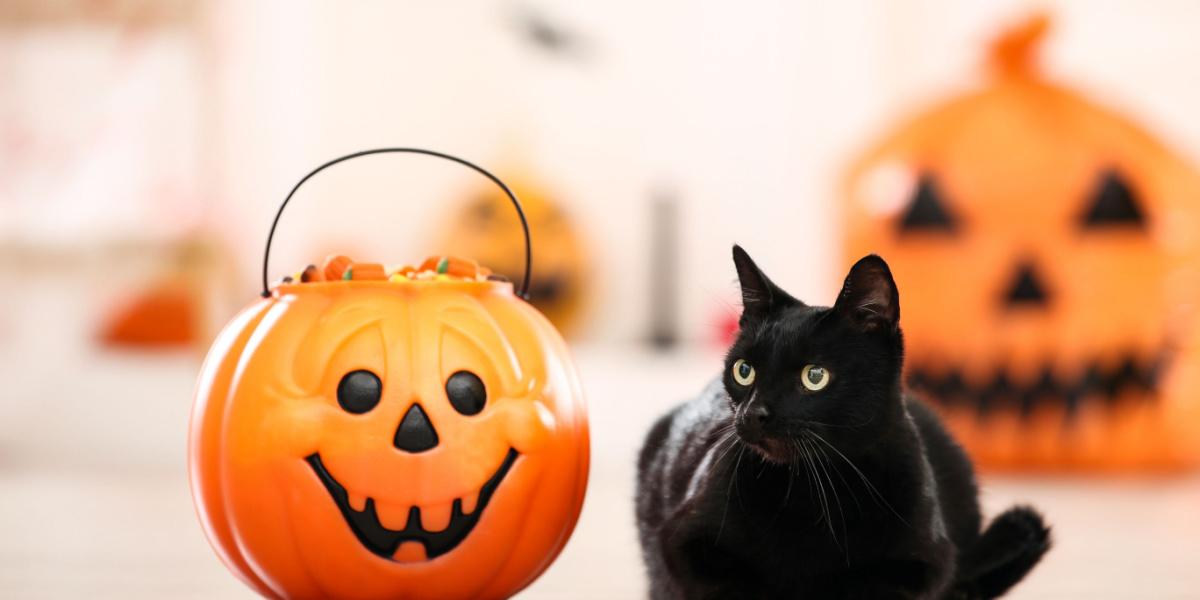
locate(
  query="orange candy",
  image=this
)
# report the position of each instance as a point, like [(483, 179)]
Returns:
[(455, 267), (367, 272), (335, 267)]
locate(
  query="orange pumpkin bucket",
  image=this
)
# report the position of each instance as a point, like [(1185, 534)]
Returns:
[(360, 433), (1050, 272)]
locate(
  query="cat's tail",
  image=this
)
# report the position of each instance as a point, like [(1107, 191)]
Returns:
[(1008, 549)]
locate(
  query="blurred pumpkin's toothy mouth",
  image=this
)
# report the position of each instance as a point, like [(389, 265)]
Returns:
[(387, 542), (1105, 383)]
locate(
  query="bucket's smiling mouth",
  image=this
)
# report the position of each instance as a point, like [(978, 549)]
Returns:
[(385, 542)]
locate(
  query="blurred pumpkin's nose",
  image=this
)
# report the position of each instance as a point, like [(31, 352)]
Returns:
[(415, 433), (1026, 288)]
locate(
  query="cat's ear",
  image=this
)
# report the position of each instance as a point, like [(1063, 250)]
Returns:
[(869, 298), (759, 295)]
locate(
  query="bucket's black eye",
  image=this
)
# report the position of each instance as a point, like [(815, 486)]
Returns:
[(466, 392), (359, 391)]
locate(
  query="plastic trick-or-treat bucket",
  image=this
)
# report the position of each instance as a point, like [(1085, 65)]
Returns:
[(360, 432)]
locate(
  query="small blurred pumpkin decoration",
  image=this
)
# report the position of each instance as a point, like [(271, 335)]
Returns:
[(366, 432), (485, 229), (1042, 246)]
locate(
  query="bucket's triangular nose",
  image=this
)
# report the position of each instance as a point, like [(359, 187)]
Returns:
[(415, 433)]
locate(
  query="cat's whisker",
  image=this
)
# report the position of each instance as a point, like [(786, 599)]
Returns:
[(803, 460), (762, 469), (849, 488), (841, 507), (825, 464), (834, 426), (724, 433), (729, 489), (730, 440), (875, 493), (812, 491), (736, 464), (797, 456), (825, 495), (787, 494), (825, 511)]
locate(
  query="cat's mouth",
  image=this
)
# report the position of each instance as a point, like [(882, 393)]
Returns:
[(771, 449), (386, 542), (1103, 382)]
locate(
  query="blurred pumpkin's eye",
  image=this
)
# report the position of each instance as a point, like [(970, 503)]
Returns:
[(359, 391), (484, 209), (466, 392), (743, 373), (1113, 204), (927, 211), (814, 378)]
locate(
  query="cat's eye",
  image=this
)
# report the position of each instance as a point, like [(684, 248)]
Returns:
[(743, 373), (814, 378)]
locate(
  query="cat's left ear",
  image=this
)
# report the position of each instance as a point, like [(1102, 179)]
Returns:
[(760, 296), (869, 298)]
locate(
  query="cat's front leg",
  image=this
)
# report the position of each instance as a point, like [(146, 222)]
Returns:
[(702, 565)]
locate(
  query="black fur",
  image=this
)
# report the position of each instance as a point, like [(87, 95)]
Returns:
[(774, 490)]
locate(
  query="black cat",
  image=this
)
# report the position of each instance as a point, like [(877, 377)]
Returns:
[(805, 473)]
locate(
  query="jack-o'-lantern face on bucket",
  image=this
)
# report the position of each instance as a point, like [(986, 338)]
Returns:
[(1032, 232), (376, 439), (367, 361)]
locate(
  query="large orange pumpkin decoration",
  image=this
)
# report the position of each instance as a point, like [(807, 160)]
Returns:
[(1043, 245), (360, 435), (484, 229)]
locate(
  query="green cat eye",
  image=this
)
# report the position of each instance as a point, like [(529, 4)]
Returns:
[(743, 373), (814, 378)]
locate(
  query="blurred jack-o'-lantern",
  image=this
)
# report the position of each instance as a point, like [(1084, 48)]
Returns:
[(365, 434), (1041, 242), (485, 230)]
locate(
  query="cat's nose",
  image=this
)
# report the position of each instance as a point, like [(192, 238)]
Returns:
[(752, 421)]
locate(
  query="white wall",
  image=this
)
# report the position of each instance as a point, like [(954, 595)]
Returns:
[(748, 110)]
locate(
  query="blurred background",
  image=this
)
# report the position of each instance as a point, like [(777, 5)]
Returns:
[(145, 145)]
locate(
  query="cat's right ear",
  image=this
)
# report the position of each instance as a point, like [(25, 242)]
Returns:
[(869, 297), (759, 295)]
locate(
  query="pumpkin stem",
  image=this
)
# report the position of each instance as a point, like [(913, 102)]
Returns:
[(1012, 53)]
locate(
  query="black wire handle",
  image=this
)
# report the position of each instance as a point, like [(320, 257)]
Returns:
[(466, 163)]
